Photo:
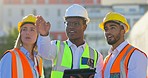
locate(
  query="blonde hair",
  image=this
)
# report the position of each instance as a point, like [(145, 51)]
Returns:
[(19, 43), (31, 19)]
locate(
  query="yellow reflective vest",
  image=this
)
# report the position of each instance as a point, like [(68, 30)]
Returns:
[(64, 59)]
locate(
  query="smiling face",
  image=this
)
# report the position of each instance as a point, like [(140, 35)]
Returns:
[(28, 34), (114, 33), (75, 28)]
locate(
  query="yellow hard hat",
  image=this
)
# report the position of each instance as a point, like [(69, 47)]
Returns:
[(113, 16), (29, 18)]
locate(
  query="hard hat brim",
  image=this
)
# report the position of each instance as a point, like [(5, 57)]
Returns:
[(101, 25), (87, 19), (19, 26)]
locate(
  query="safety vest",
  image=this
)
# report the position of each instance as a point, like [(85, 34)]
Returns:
[(119, 68), (64, 59), (21, 67)]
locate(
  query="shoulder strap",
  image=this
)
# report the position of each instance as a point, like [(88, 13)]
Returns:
[(93, 55), (14, 64), (27, 70), (40, 65), (105, 63)]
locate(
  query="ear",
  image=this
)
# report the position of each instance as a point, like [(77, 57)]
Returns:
[(84, 27), (123, 31)]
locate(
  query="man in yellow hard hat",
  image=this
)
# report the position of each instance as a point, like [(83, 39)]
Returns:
[(124, 60), (74, 53)]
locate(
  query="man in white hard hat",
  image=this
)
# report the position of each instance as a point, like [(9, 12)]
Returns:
[(74, 53), (124, 60)]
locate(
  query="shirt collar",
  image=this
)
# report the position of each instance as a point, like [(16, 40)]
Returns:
[(71, 44), (119, 48), (26, 52)]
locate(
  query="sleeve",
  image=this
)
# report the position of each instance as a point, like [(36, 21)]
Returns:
[(5, 66), (137, 66), (99, 66), (47, 49)]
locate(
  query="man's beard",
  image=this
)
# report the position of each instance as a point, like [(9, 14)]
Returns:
[(111, 42)]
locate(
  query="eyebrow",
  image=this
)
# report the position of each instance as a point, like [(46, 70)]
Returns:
[(23, 27), (113, 25), (30, 27)]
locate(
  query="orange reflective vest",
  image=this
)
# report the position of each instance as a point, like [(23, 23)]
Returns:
[(21, 67), (119, 68)]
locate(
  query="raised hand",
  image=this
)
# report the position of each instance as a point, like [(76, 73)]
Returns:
[(43, 27)]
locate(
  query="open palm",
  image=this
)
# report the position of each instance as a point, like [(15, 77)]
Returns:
[(43, 27)]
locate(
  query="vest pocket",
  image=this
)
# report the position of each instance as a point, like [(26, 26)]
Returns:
[(115, 75)]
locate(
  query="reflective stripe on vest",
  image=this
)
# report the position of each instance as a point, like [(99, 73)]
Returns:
[(119, 68), (20, 65), (65, 59), (40, 67)]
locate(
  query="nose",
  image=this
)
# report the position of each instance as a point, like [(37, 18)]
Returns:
[(27, 32), (108, 31)]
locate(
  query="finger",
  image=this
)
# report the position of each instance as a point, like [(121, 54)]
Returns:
[(38, 20), (48, 24), (41, 18)]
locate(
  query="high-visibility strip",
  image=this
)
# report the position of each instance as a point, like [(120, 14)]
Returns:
[(123, 67), (105, 63), (93, 55), (67, 55), (127, 60), (58, 49), (40, 65), (86, 54), (19, 65), (26, 66), (14, 65), (115, 67), (97, 55)]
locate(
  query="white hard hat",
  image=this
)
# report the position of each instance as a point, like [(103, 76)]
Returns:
[(77, 10)]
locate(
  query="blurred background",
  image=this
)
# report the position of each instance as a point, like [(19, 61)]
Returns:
[(12, 11)]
